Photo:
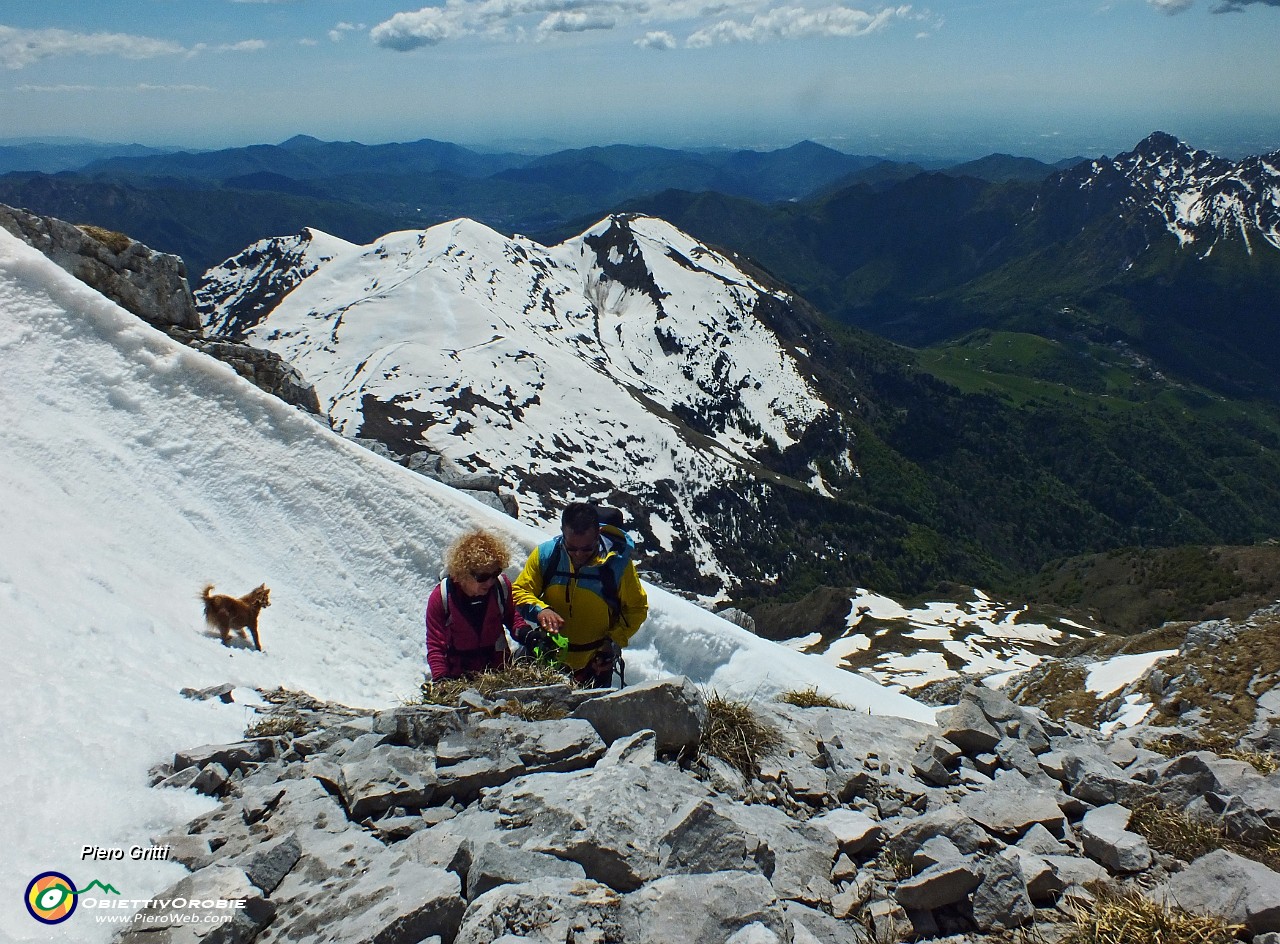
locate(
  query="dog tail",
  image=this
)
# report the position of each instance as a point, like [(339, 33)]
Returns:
[(208, 592)]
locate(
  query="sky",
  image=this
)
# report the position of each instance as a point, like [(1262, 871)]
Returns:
[(133, 471), (951, 78)]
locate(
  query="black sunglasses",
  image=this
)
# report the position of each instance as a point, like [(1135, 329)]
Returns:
[(485, 578)]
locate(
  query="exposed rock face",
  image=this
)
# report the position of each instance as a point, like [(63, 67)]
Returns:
[(470, 824), (152, 285), (264, 369)]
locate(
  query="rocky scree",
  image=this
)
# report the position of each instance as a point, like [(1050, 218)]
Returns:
[(467, 824)]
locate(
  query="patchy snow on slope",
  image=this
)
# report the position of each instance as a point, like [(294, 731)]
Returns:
[(908, 646)]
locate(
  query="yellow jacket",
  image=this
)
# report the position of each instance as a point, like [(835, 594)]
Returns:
[(580, 595)]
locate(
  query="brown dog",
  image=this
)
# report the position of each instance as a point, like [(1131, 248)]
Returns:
[(228, 613)]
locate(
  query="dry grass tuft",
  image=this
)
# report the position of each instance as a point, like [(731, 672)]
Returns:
[(286, 722), (1134, 919), (1220, 680), (1176, 744), (737, 735), (517, 675), (1174, 833), (810, 698), (116, 242), (1059, 688), (491, 685)]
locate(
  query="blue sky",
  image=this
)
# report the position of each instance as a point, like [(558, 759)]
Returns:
[(1045, 78)]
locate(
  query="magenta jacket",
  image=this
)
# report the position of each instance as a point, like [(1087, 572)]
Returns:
[(454, 647)]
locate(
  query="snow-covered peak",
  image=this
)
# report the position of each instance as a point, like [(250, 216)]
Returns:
[(251, 283), (629, 365), (1200, 198)]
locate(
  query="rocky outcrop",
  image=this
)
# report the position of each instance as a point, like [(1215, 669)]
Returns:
[(488, 488), (472, 824), (264, 369), (152, 285)]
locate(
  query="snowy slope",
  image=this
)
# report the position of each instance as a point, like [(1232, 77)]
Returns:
[(628, 365), (132, 471), (250, 284)]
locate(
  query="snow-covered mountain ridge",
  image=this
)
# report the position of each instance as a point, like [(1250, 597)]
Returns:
[(631, 365), (1200, 198)]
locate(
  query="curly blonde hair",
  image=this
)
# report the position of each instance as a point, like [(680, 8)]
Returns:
[(476, 551)]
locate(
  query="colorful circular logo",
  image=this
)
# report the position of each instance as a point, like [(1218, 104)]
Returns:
[(51, 898)]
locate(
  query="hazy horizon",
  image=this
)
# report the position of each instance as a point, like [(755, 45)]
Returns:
[(953, 80)]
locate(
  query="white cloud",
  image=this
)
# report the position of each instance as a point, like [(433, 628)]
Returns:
[(57, 89), (1171, 6), (340, 30), (797, 23), (576, 21), (657, 39), (425, 27), (719, 21), (247, 45), (146, 87), (23, 47)]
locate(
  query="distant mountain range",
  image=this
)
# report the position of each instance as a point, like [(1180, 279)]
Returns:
[(1165, 248), (206, 206)]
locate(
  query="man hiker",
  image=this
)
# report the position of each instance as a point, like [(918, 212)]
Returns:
[(583, 586)]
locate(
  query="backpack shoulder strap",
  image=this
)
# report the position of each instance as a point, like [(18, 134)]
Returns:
[(444, 596), (548, 562), (504, 591), (609, 589)]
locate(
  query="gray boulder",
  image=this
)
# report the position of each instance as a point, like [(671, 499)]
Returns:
[(701, 839), (673, 709), (1106, 839), (1226, 884), (238, 756), (395, 901), (855, 832), (1001, 901), (150, 284), (418, 725), (936, 760), (965, 726), (545, 911), (607, 819), (569, 744), (388, 776), (494, 864), (1010, 806), (712, 908), (267, 864), (905, 836), (201, 923), (938, 885), (802, 853)]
